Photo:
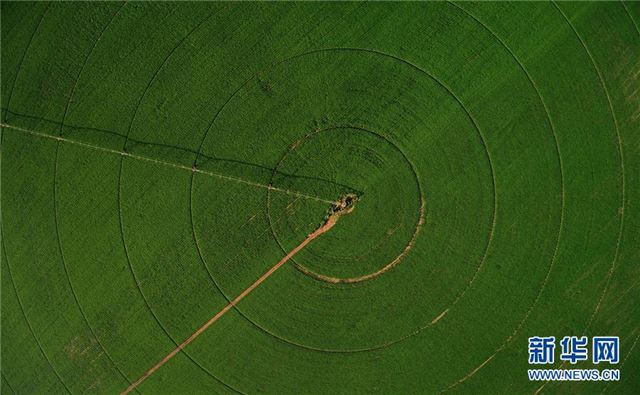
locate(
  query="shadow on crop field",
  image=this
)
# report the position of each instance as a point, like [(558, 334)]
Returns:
[(253, 172)]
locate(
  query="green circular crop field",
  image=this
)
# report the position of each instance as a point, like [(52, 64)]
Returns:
[(174, 172)]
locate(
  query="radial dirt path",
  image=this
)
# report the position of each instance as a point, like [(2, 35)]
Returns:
[(329, 223)]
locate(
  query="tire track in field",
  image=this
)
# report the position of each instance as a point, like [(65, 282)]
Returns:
[(633, 21), (489, 161), (318, 232), (613, 266), (15, 290), (343, 49), (81, 129), (563, 201), (164, 163), (55, 200), (119, 199), (7, 382), (620, 154), (24, 55), (633, 345), (408, 246), (487, 155)]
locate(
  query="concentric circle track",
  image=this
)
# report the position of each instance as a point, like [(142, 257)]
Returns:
[(177, 156)]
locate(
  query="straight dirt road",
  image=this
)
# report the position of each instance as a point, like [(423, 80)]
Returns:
[(329, 223)]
